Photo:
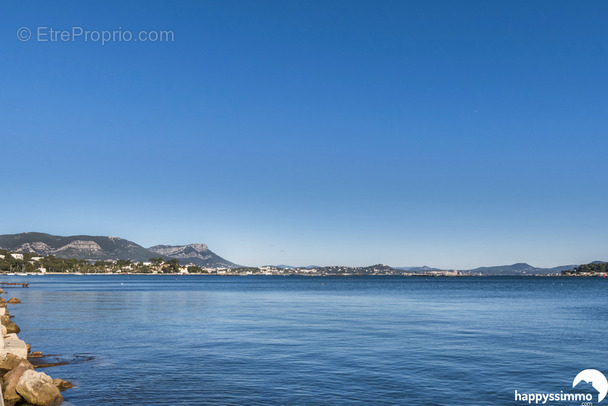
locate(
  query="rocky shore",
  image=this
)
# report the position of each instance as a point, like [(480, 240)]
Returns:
[(21, 383)]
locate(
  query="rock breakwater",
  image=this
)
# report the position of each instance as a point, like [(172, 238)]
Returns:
[(21, 383)]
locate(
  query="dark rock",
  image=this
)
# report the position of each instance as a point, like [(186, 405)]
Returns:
[(62, 385)]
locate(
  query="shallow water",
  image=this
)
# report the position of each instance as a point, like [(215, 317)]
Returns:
[(262, 340)]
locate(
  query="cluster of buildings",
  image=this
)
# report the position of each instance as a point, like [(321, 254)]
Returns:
[(21, 257), (159, 266)]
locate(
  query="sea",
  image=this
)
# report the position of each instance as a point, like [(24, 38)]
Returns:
[(291, 340)]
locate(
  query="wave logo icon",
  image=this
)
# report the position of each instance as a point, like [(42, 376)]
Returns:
[(596, 379)]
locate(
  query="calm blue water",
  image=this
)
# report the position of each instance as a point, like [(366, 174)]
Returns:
[(193, 340)]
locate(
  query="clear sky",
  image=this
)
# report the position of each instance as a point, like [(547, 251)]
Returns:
[(445, 133)]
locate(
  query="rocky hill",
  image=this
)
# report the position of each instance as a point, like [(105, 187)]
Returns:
[(107, 248), (197, 254)]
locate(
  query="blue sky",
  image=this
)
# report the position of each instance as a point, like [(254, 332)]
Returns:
[(452, 134)]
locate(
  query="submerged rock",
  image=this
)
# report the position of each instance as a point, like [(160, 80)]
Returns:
[(14, 300), (36, 354), (62, 385), (38, 388), (11, 379)]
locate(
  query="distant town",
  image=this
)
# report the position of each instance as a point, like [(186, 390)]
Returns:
[(28, 263), (40, 253), (18, 263)]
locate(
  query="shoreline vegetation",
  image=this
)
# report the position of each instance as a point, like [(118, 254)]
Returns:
[(21, 383), (597, 269), (19, 263)]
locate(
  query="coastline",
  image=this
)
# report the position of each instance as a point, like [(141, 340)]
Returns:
[(20, 380), (29, 263), (310, 275)]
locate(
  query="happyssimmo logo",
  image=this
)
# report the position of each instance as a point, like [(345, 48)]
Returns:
[(591, 376), (596, 379)]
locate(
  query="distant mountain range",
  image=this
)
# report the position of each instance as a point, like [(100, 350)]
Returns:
[(515, 269), (518, 269), (106, 248)]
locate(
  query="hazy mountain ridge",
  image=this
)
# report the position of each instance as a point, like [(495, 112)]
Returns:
[(518, 269), (514, 269), (106, 248)]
